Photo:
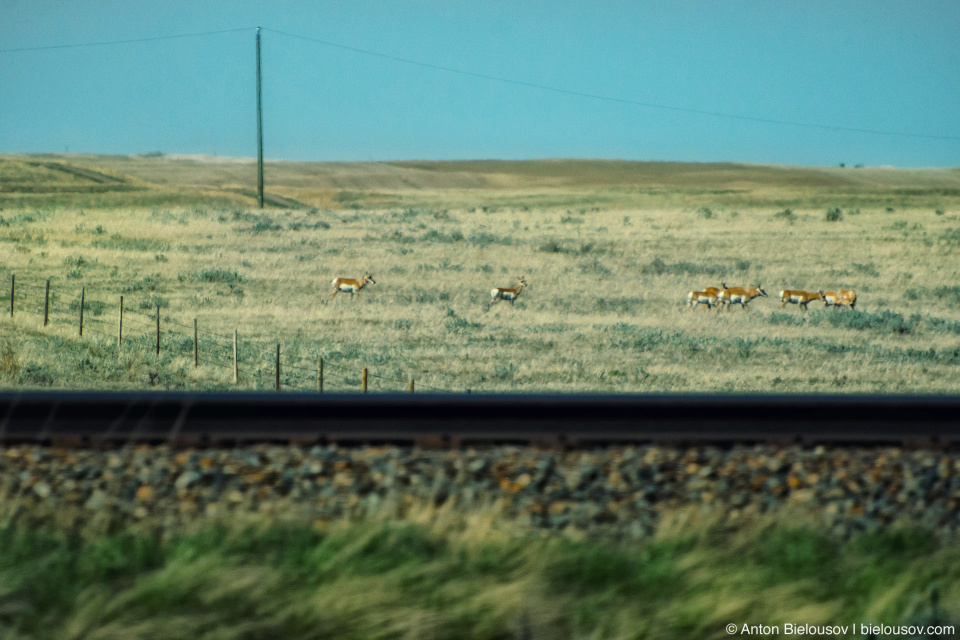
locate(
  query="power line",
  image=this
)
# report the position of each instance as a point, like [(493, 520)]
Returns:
[(597, 96), (504, 80), (129, 41)]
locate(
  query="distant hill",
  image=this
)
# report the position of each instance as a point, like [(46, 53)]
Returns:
[(158, 179)]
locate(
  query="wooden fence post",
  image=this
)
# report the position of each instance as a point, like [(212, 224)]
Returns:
[(278, 366), (320, 375), (196, 347), (236, 362), (83, 291), (13, 290), (158, 331), (46, 303), (411, 383), (120, 325), (363, 382)]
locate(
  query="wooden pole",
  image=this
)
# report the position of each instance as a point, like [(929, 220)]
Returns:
[(13, 290), (320, 375), (411, 383), (46, 304), (83, 291), (120, 325), (259, 129), (363, 383), (278, 366), (158, 331), (236, 362), (196, 347)]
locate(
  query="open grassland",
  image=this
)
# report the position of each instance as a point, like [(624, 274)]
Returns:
[(443, 577), (609, 249)]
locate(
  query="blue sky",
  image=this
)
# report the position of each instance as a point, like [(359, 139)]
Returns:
[(806, 83)]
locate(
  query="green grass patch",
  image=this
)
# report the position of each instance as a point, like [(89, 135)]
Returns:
[(390, 579), (116, 241)]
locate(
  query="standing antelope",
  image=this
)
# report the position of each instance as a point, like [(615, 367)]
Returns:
[(708, 296), (802, 298), (508, 294), (351, 286), (740, 295)]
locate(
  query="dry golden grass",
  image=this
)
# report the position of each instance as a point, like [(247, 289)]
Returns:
[(608, 266)]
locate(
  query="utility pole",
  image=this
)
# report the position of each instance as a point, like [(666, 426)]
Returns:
[(259, 129)]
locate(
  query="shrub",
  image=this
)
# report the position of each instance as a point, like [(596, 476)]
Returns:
[(265, 223), (950, 237), (950, 295), (483, 239), (116, 241), (9, 362), (786, 214), (778, 317), (147, 283), (93, 307), (943, 326), (436, 236), (658, 267), (153, 302), (834, 214), (884, 322), (224, 276), (869, 269)]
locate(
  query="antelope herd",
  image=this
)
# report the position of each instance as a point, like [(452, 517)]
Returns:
[(724, 295), (719, 297)]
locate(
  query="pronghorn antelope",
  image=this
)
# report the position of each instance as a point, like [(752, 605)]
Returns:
[(351, 286), (501, 293), (841, 298), (850, 296), (740, 295), (802, 298), (701, 297), (708, 296)]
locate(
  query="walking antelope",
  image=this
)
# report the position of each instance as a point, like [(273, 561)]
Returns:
[(841, 298), (351, 286), (740, 295), (708, 296), (511, 295), (802, 298), (701, 297)]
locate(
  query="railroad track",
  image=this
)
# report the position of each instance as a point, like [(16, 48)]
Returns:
[(222, 419)]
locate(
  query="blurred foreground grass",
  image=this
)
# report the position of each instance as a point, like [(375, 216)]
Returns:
[(395, 579)]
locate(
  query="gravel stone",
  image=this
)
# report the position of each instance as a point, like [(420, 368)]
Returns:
[(623, 490)]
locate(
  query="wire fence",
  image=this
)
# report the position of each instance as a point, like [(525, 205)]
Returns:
[(140, 326)]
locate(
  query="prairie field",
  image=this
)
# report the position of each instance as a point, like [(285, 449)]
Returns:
[(609, 251)]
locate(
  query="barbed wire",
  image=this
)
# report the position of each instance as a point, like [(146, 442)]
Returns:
[(259, 348), (298, 371)]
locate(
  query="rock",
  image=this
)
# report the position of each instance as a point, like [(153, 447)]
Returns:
[(96, 500), (186, 479)]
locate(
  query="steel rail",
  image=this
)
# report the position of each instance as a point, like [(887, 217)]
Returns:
[(116, 418)]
